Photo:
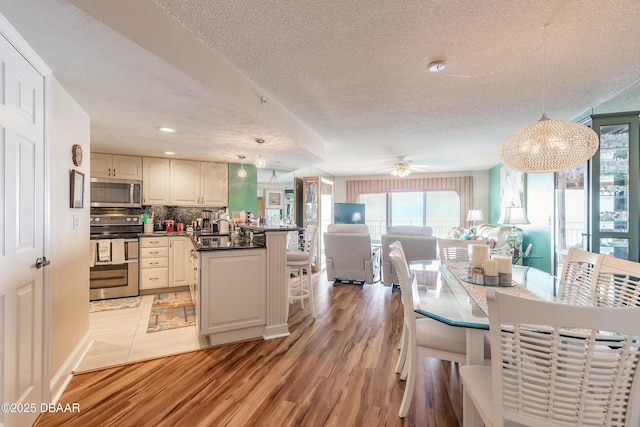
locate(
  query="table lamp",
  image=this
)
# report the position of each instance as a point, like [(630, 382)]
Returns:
[(514, 215), (474, 215)]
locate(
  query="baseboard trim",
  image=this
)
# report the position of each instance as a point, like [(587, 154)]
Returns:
[(62, 378)]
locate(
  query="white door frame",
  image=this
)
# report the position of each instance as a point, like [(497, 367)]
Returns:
[(9, 32)]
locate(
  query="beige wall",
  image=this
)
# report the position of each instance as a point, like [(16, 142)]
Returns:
[(69, 245)]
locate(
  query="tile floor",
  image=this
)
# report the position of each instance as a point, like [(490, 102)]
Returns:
[(120, 336)]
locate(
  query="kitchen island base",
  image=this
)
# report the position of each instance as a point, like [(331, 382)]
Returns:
[(243, 293)]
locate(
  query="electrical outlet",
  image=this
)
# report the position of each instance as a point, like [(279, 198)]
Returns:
[(76, 220)]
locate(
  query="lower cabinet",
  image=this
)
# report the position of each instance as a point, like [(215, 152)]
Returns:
[(179, 250), (154, 262), (164, 262), (232, 293)]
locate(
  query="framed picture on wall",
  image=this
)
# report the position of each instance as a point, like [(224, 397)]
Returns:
[(511, 188), (273, 199), (77, 189)]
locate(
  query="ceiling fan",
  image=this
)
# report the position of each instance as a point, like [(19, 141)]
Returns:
[(403, 167)]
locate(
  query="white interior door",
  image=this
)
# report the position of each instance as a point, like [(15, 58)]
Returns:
[(21, 236)]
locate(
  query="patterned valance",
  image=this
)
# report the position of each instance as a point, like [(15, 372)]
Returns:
[(463, 185)]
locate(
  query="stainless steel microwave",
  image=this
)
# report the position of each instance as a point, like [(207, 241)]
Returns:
[(116, 193)]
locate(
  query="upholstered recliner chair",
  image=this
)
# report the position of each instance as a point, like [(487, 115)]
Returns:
[(418, 243), (347, 248)]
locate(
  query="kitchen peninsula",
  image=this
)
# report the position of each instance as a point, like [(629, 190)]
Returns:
[(242, 286)]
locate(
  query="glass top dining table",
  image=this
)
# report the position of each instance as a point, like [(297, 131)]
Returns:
[(442, 292)]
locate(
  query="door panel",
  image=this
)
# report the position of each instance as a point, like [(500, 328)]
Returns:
[(22, 234)]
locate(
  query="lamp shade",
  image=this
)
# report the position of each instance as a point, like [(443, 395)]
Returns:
[(548, 146), (513, 215), (475, 215)]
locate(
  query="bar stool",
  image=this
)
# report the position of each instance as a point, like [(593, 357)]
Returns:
[(300, 261)]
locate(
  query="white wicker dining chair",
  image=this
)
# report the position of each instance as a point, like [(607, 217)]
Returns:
[(552, 367), (456, 252), (423, 337), (617, 282), (577, 278)]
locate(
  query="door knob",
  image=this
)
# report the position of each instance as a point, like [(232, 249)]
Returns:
[(42, 262)]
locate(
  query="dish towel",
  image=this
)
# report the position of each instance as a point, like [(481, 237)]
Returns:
[(117, 251), (104, 250), (92, 253)]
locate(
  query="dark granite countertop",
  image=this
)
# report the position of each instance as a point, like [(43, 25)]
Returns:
[(209, 242)]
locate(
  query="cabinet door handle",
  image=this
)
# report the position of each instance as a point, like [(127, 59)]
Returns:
[(114, 172), (154, 278), (154, 263), (154, 241), (154, 252)]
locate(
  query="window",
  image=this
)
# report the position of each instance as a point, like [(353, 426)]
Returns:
[(437, 209)]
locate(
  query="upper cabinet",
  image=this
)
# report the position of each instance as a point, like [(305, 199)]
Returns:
[(214, 184), (115, 166), (156, 179), (185, 183)]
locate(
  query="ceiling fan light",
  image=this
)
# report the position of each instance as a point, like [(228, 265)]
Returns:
[(548, 146), (242, 173), (401, 170)]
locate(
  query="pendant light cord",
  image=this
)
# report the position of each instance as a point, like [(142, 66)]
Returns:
[(544, 70)]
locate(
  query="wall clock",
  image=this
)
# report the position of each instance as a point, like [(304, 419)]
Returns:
[(76, 154)]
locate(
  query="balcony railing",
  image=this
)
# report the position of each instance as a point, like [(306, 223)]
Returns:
[(378, 228)]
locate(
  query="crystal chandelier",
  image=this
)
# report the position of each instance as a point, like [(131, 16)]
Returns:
[(548, 145), (401, 169)]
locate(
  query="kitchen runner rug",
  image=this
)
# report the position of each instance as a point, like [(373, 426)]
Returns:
[(114, 304), (171, 310)]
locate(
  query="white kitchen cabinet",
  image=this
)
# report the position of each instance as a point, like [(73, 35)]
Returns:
[(154, 262), (232, 294), (214, 184), (156, 178), (185, 183), (116, 166), (199, 183), (180, 270)]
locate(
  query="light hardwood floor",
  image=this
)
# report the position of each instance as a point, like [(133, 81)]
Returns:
[(336, 370)]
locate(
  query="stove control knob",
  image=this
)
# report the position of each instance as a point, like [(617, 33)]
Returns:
[(134, 219), (97, 220), (128, 219)]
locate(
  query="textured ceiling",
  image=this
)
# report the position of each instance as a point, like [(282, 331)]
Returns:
[(353, 73)]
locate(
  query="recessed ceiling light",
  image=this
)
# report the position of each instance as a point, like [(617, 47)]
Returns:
[(169, 153), (436, 66), (167, 130)]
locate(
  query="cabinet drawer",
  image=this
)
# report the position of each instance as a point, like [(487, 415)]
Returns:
[(154, 262), (159, 252), (154, 242), (151, 278)]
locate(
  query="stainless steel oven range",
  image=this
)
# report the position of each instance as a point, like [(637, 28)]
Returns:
[(114, 256)]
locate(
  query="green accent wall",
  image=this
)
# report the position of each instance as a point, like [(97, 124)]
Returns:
[(540, 211), (243, 191), (494, 194), (539, 203)]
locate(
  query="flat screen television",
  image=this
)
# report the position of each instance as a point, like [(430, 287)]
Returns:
[(348, 213)]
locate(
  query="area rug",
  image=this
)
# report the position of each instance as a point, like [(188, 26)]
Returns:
[(114, 304), (171, 310)]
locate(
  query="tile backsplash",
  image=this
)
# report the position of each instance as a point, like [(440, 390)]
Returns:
[(184, 215)]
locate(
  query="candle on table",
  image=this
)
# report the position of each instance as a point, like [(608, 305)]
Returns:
[(504, 263), (477, 254), (490, 267)]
